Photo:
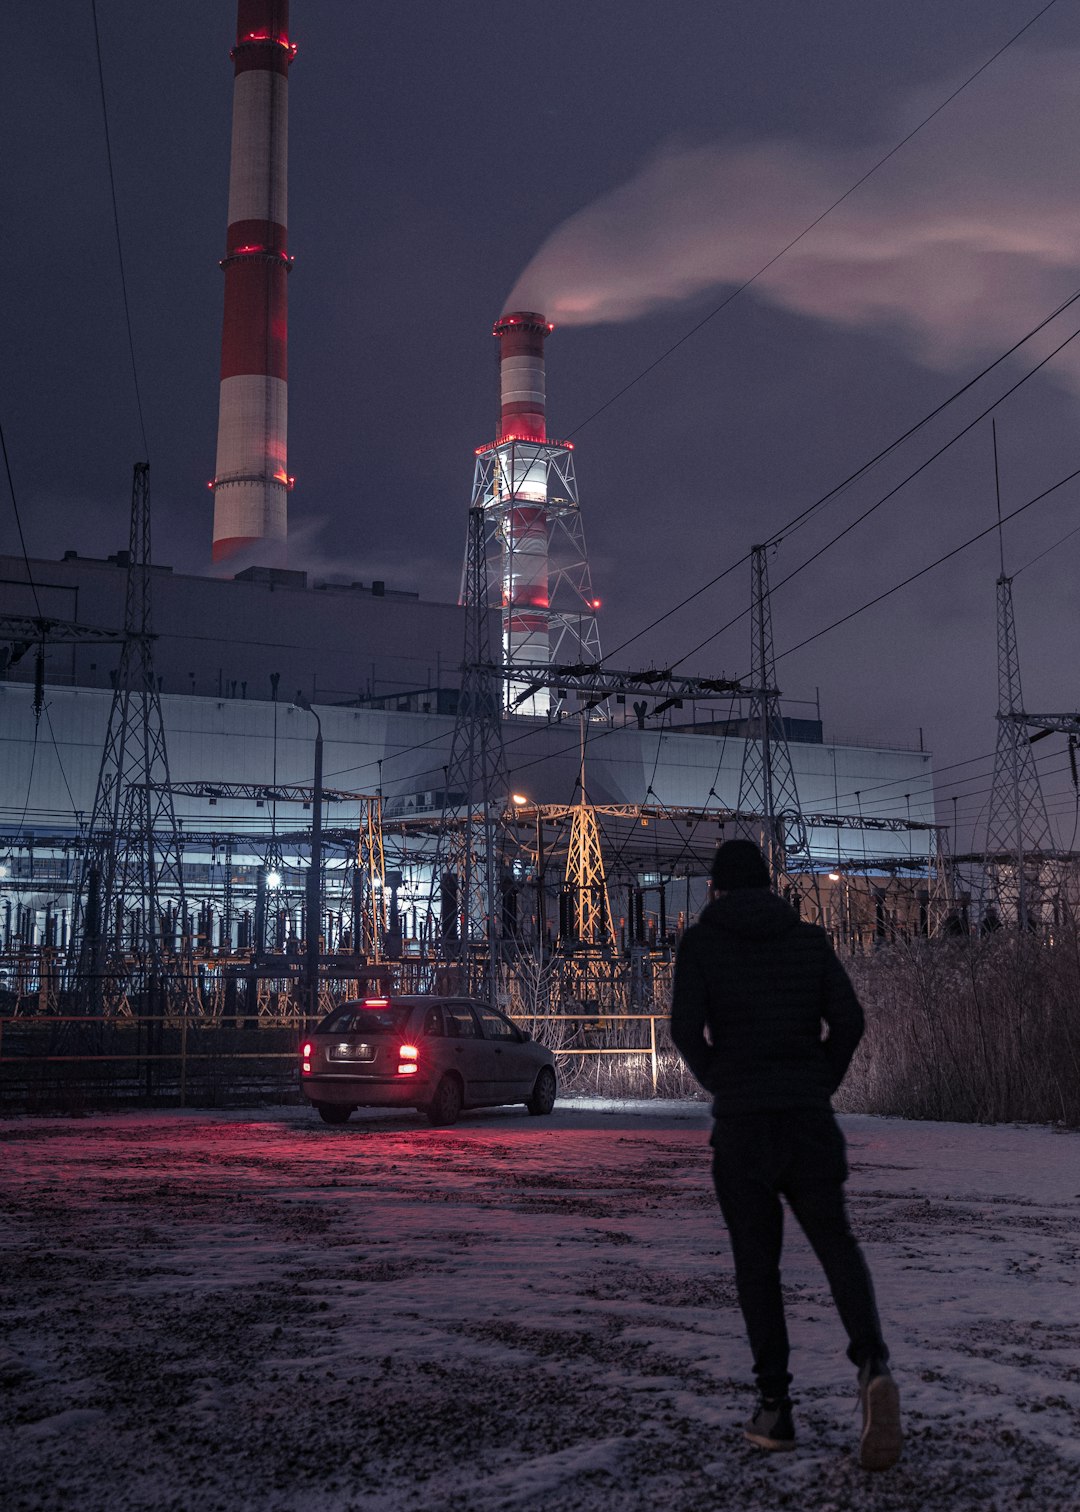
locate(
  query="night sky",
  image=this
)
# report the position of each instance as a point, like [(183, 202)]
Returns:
[(629, 164)]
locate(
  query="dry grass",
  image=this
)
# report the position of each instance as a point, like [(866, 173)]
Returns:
[(965, 1030), (975, 1031)]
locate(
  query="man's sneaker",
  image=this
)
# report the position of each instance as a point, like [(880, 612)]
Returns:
[(879, 1447), (771, 1426)]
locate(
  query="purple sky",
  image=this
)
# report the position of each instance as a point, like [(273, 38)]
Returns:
[(628, 171)]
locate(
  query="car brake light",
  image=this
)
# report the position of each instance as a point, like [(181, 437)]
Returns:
[(305, 1050), (376, 1002), (305, 1061), (408, 1055)]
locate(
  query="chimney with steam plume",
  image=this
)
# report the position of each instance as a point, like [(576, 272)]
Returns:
[(251, 479), (536, 554), (522, 387)]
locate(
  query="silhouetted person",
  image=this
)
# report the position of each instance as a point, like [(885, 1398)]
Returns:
[(753, 988)]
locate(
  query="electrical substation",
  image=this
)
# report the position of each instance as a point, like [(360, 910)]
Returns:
[(253, 793)]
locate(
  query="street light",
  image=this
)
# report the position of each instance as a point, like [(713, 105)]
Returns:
[(314, 876)]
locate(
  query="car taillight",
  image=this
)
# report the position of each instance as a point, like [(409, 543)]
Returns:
[(305, 1050), (305, 1061), (408, 1055), (376, 1002)]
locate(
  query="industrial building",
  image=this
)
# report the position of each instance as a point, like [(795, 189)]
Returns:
[(242, 663)]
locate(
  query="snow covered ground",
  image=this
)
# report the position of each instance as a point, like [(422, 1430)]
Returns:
[(250, 1310)]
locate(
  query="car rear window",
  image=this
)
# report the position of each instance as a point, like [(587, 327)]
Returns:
[(356, 1018)]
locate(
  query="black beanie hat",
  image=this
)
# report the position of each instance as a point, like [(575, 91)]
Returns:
[(739, 863)]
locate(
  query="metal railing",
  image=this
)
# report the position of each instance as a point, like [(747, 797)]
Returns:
[(65, 1057)]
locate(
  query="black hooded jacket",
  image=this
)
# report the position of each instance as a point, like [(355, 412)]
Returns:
[(753, 987)]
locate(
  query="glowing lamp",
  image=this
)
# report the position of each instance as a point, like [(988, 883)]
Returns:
[(273, 879)]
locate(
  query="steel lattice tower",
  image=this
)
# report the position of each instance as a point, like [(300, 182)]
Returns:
[(768, 806), (371, 876), (1020, 870), (767, 799), (132, 865), (585, 878), (467, 858)]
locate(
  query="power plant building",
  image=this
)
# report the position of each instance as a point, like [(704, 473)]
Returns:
[(242, 657)]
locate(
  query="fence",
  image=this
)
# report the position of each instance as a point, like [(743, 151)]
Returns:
[(68, 1062)]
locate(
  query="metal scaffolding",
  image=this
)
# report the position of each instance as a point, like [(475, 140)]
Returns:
[(527, 494)]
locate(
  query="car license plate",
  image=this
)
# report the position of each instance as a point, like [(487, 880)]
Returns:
[(359, 1052)]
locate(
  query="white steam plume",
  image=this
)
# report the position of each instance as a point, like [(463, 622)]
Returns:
[(968, 233)]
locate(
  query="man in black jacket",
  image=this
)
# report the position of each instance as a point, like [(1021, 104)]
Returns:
[(753, 987)]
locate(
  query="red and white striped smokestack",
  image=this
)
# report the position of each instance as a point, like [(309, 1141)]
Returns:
[(523, 415), (523, 418), (251, 480)]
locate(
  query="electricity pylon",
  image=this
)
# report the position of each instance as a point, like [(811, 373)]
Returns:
[(371, 875), (123, 939), (467, 857), (1021, 872), (768, 807)]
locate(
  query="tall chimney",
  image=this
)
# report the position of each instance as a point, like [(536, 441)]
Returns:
[(251, 479), (523, 419), (523, 416)]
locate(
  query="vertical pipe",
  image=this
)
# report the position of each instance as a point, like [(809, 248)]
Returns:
[(251, 479)]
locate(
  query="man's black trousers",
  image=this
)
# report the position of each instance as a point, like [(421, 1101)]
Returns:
[(797, 1153)]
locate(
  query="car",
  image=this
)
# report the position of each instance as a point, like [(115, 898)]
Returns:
[(439, 1054)]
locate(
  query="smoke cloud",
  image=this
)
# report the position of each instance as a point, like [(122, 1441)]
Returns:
[(969, 233)]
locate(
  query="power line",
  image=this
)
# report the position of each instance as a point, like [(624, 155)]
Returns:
[(913, 577), (797, 520), (116, 226), (816, 222)]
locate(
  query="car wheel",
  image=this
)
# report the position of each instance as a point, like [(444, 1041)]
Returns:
[(333, 1113), (445, 1106), (543, 1094)]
